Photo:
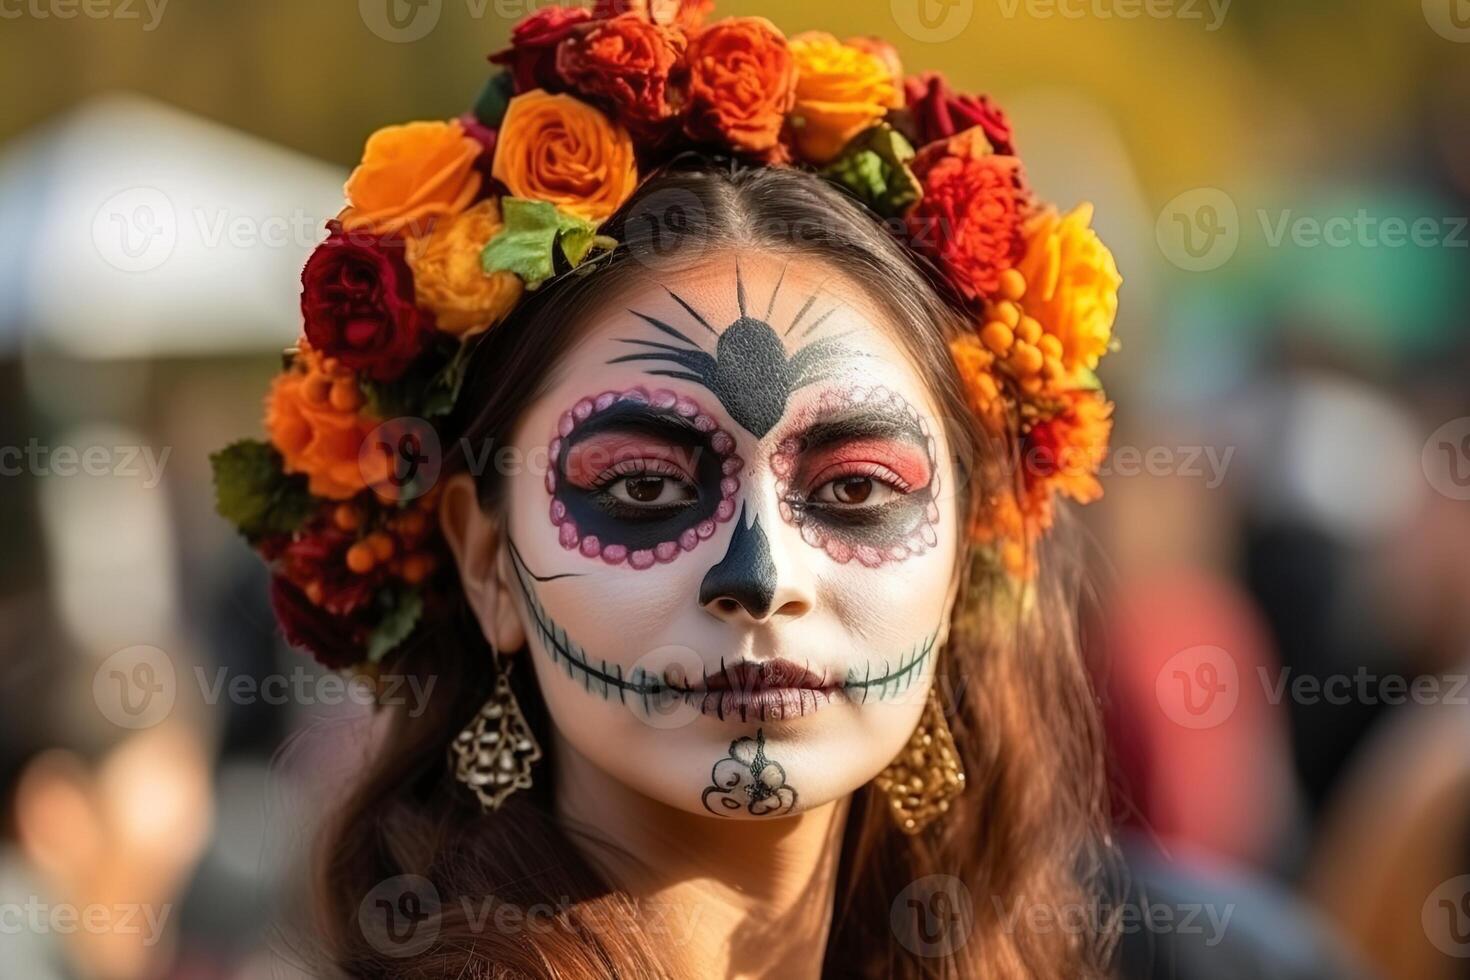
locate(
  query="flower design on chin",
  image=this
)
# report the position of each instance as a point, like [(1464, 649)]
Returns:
[(747, 780)]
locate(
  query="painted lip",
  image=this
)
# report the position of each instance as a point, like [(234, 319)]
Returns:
[(770, 690)]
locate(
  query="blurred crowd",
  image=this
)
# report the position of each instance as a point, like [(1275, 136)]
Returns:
[(1279, 618)]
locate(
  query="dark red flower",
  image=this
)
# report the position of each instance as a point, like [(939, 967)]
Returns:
[(531, 56), (935, 112), (485, 136), (628, 62), (314, 559), (358, 303), (971, 215), (335, 641)]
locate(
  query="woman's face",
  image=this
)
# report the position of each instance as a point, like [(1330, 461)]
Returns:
[(732, 550)]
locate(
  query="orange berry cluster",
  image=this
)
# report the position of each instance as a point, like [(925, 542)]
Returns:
[(331, 384), (396, 546), (1020, 346)]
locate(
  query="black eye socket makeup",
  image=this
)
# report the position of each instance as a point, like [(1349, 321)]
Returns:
[(640, 476), (859, 477)]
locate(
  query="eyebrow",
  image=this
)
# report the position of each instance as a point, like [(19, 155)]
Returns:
[(868, 423), (666, 425)]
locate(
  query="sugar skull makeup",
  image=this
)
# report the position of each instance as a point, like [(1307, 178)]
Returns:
[(735, 575)]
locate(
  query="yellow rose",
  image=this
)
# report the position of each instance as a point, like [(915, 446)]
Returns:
[(449, 280), (410, 175), (1071, 284), (558, 149), (841, 90)]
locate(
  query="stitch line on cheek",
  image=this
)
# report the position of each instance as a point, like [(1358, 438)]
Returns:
[(634, 552), (839, 547)]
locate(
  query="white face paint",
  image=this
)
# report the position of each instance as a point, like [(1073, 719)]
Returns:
[(734, 578)]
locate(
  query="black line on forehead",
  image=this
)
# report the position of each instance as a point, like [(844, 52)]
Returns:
[(690, 310), (819, 321), (666, 328), (740, 290), (771, 306)]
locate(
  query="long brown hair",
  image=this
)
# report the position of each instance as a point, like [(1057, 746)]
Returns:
[(1029, 831)]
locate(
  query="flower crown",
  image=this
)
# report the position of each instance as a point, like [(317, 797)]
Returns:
[(449, 223)]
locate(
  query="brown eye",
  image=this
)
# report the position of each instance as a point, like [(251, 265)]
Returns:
[(853, 490), (646, 490)]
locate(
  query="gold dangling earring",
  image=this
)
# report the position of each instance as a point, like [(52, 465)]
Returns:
[(494, 754), (926, 775)]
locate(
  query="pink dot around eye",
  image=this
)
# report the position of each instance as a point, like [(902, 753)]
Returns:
[(554, 450), (732, 465), (812, 535), (868, 555), (722, 442), (689, 539), (932, 511), (898, 552), (838, 551), (786, 513), (728, 486), (604, 401), (705, 529), (686, 407), (567, 535), (641, 559), (638, 395), (666, 550), (704, 424), (663, 398), (558, 512), (565, 424), (613, 554), (725, 510), (781, 464), (591, 546), (551, 481), (582, 409)]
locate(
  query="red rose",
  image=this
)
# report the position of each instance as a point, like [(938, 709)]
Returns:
[(628, 62), (742, 83), (335, 641), (937, 113), (357, 300), (971, 215), (485, 136), (531, 56), (688, 14)]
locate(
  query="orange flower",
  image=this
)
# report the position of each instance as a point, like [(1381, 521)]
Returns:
[(742, 83), (312, 417), (449, 280), (628, 62), (1063, 452), (1071, 284), (841, 90), (410, 175), (557, 149), (976, 369)]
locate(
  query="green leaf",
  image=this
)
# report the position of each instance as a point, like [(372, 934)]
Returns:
[(875, 166), (253, 492), (396, 625), (527, 244), (426, 390), (494, 99)]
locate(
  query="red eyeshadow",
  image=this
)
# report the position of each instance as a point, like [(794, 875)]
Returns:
[(593, 456), (908, 461)]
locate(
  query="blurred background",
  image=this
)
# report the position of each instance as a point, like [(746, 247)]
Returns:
[(1283, 554)]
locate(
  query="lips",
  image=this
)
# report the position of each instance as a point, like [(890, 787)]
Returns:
[(772, 690)]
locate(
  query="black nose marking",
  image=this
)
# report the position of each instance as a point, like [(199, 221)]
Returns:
[(746, 574)]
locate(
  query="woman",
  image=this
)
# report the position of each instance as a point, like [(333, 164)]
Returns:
[(743, 661)]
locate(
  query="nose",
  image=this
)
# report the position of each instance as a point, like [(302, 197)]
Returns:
[(746, 584)]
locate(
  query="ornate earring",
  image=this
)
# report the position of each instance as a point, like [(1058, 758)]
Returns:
[(926, 775), (494, 754)]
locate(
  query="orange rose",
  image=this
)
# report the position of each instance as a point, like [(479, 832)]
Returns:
[(555, 148), (311, 415), (1071, 284), (410, 175), (841, 90), (742, 83), (448, 278)]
